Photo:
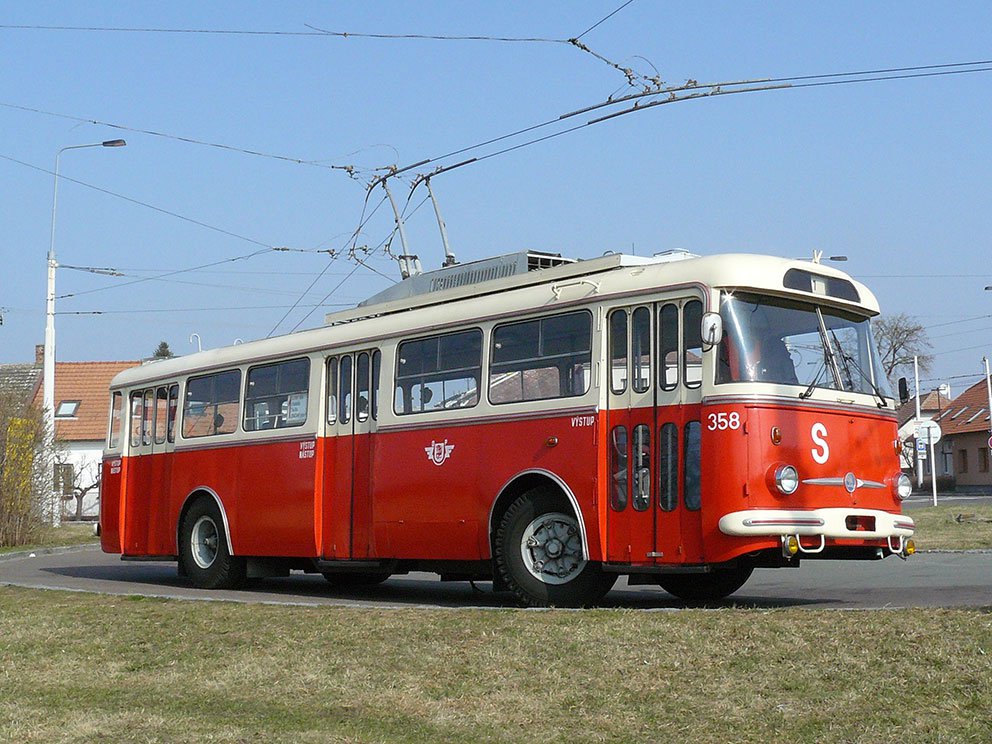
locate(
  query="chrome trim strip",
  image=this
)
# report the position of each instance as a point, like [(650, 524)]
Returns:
[(790, 402), (217, 444), (495, 417)]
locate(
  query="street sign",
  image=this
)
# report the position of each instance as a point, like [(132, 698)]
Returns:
[(921, 454), (921, 445), (925, 429)]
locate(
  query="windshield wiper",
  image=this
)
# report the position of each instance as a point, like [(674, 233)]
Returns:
[(829, 360), (849, 362), (816, 378)]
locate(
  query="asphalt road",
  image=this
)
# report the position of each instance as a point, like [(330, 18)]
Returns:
[(925, 580)]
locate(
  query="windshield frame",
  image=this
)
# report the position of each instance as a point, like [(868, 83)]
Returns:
[(769, 339)]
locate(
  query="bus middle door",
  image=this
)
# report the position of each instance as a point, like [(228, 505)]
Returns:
[(630, 522)]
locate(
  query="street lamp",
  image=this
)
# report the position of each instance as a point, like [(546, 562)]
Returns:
[(48, 379)]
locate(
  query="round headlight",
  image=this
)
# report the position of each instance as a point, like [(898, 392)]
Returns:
[(904, 487), (787, 479)]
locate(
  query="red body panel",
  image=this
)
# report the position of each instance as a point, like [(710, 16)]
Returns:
[(427, 493)]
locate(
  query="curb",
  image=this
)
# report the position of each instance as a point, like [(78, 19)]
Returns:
[(25, 554)]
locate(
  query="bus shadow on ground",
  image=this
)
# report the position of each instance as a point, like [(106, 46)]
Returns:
[(154, 579)]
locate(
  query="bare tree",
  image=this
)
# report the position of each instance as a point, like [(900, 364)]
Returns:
[(900, 338)]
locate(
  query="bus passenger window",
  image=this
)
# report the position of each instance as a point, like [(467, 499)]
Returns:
[(618, 468), (668, 347), (332, 390), (692, 344), (640, 350), (278, 395), (376, 367), (438, 373), (136, 419), (173, 412), (146, 418), (161, 414), (618, 351), (362, 384), (116, 402), (541, 359), (212, 403), (668, 467), (693, 431), (642, 468), (344, 396)]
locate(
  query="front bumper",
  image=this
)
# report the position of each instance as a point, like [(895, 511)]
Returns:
[(838, 523)]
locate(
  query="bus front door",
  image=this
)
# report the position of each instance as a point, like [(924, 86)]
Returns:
[(352, 408), (654, 378)]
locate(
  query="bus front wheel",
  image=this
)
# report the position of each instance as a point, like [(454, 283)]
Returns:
[(203, 553), (539, 554), (706, 587)]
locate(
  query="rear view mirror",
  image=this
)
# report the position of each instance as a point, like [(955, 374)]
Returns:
[(711, 329), (903, 390)]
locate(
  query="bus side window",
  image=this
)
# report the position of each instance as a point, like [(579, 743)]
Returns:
[(693, 431), (146, 418), (668, 347), (161, 414), (136, 399), (332, 390), (618, 468), (173, 412), (692, 344), (344, 397), (618, 351), (116, 421), (362, 375), (668, 467), (376, 368), (640, 350)]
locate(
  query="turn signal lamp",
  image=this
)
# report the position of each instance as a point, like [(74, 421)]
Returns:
[(776, 435), (904, 487), (909, 548), (787, 479), (897, 445)]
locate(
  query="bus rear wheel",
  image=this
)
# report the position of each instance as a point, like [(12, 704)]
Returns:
[(203, 553), (704, 587), (539, 554)]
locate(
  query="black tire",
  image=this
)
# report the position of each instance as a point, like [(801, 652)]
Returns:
[(346, 580), (203, 554), (565, 579), (706, 587)]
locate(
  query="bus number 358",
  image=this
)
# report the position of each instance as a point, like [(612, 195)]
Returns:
[(724, 421)]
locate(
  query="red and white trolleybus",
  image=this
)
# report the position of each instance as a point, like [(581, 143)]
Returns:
[(545, 423)]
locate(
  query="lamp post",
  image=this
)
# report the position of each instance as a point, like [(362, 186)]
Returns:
[(48, 376)]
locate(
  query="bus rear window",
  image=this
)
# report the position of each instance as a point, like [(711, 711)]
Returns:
[(116, 421), (211, 405)]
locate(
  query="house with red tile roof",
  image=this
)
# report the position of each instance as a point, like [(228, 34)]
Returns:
[(82, 408), (966, 427), (932, 405)]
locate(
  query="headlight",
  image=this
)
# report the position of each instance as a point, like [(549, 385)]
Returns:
[(904, 487), (787, 479)]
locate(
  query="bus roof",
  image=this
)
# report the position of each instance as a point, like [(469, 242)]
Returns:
[(564, 285)]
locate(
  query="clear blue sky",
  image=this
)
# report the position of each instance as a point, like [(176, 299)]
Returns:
[(892, 174)]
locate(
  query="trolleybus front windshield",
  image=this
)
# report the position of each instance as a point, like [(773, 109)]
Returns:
[(792, 343)]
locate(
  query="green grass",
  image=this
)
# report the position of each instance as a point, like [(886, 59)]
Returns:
[(76, 667), (70, 533), (937, 528)]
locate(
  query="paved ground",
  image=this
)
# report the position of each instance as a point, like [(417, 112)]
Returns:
[(925, 580)]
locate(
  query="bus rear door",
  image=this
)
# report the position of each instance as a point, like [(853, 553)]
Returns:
[(352, 410)]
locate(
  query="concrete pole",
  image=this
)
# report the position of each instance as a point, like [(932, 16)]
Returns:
[(919, 461)]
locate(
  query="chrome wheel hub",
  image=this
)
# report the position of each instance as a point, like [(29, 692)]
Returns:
[(204, 541), (551, 548)]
